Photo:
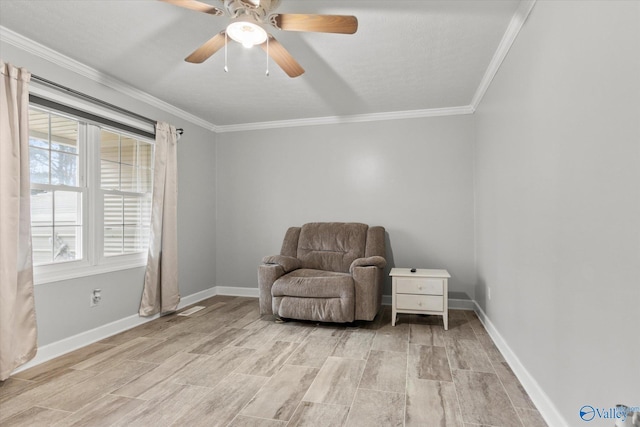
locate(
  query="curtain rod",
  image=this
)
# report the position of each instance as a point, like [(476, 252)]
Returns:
[(113, 107)]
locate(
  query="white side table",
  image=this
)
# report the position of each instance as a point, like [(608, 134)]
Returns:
[(422, 292)]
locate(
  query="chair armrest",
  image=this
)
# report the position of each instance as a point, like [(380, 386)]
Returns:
[(286, 262), (267, 274), (372, 261)]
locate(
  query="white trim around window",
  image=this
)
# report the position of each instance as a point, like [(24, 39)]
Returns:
[(93, 260)]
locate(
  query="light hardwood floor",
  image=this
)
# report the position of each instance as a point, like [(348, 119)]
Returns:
[(227, 366)]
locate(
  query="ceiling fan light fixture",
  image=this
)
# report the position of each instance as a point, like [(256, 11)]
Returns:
[(246, 33)]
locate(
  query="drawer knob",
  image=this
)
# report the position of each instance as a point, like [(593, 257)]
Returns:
[(420, 304), (419, 288)]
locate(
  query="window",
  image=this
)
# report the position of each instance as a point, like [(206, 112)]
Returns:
[(90, 196), (56, 188), (125, 177)]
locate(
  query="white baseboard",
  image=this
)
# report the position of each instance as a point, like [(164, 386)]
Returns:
[(66, 345), (544, 404), (237, 291)]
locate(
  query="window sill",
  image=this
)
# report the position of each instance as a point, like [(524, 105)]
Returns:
[(76, 269)]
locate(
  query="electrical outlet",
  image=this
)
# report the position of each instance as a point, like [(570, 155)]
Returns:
[(489, 292), (96, 297)]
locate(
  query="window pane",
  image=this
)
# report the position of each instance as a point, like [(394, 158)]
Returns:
[(41, 241), (67, 243), (109, 175), (144, 180), (128, 150), (132, 210), (112, 240), (145, 204), (64, 169), (132, 239), (109, 146), (41, 208), (113, 209), (39, 165), (38, 128), (64, 134), (68, 208), (128, 178), (145, 155)]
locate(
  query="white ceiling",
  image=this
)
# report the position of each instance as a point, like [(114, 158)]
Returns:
[(406, 55)]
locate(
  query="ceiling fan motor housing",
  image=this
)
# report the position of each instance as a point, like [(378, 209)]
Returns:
[(256, 9)]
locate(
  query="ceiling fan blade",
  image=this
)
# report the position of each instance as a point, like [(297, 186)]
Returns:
[(283, 58), (203, 53), (197, 6), (342, 24)]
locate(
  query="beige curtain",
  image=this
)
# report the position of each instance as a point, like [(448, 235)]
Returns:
[(18, 334), (160, 293)]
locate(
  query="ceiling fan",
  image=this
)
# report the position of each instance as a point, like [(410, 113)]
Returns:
[(248, 21)]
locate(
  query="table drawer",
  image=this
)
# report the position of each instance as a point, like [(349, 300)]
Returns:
[(418, 285), (419, 302)]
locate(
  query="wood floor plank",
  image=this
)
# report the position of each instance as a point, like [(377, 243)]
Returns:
[(376, 408), (468, 355), (36, 417), (354, 344), (52, 367), (280, 396), (144, 386), (515, 391), (429, 363), (212, 344), (159, 352), (102, 413), (166, 408), (392, 338), (385, 371), (432, 403), (483, 400), (221, 404), (426, 335), (12, 387), (268, 359), (246, 421), (35, 396), (531, 417), (208, 371), (102, 360), (336, 382), (310, 414), (313, 351), (81, 394)]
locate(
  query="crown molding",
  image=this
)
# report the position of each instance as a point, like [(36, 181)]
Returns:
[(510, 35), (356, 118), (514, 27), (17, 40)]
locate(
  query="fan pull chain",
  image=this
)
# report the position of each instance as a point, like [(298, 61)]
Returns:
[(267, 73), (226, 69)]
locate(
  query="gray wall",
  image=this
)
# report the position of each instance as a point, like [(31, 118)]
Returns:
[(414, 177), (558, 202), (63, 307)]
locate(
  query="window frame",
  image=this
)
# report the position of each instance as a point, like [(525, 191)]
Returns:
[(93, 259)]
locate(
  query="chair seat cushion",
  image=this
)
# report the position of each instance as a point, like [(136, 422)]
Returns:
[(309, 283)]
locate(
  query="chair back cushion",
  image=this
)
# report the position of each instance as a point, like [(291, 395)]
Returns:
[(331, 246)]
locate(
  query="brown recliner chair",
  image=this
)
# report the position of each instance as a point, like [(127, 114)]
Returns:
[(329, 272)]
